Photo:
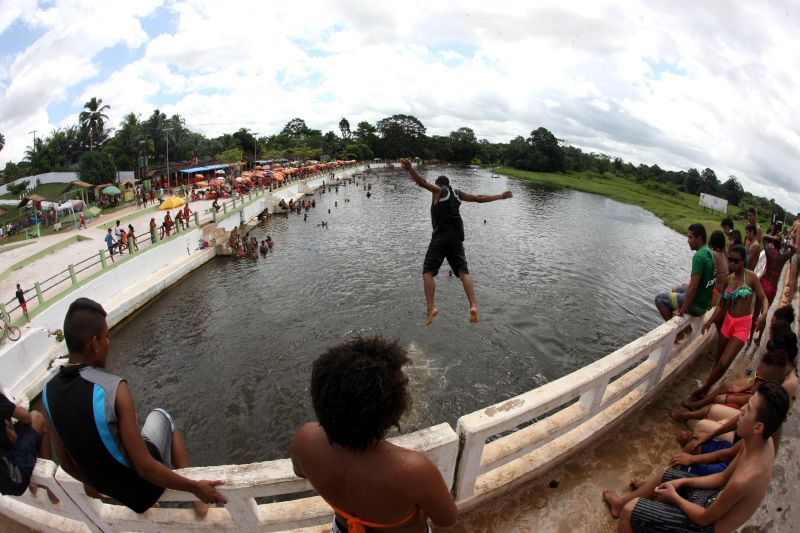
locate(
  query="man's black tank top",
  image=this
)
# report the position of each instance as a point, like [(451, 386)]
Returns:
[(445, 215)]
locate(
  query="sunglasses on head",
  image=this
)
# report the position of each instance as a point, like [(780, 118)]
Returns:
[(734, 260)]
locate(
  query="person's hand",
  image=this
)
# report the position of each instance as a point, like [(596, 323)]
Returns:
[(682, 459), (506, 195), (677, 312), (666, 492), (706, 327), (206, 492), (406, 164), (699, 439)]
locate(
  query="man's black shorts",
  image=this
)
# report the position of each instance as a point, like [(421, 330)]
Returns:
[(440, 249)]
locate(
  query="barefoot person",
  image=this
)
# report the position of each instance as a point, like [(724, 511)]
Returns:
[(96, 432), (448, 236), (742, 298), (359, 391), (678, 501)]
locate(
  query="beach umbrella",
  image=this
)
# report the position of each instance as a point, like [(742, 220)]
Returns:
[(216, 183), (199, 176), (171, 202), (220, 171), (111, 190), (202, 184)]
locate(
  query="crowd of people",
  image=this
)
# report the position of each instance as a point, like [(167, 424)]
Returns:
[(359, 390), (718, 476)]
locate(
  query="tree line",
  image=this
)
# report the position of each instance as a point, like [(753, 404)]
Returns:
[(97, 151)]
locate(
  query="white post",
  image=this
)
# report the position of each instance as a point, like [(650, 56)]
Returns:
[(592, 398), (468, 465)]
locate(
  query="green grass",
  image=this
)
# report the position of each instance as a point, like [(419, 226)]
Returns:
[(49, 191), (676, 209)]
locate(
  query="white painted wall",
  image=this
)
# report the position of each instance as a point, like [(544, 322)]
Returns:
[(60, 177)]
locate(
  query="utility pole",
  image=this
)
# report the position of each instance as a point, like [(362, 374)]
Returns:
[(34, 141), (166, 132), (255, 146)]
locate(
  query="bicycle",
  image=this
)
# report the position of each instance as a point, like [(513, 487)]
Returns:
[(12, 332)]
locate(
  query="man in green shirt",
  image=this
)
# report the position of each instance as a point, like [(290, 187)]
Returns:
[(694, 298)]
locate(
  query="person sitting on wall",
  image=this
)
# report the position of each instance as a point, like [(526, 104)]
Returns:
[(695, 297), (718, 502), (95, 426), (20, 444), (359, 391), (711, 445)]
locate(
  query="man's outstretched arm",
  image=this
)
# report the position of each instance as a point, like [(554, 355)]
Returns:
[(417, 177), (483, 198)]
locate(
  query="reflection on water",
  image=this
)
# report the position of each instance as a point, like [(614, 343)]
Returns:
[(562, 279)]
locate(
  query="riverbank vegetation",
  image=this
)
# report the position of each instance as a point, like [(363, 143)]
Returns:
[(141, 144), (675, 208)]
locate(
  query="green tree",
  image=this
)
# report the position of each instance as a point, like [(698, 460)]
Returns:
[(3, 141), (295, 128), (233, 155), (464, 145), (12, 172), (400, 135), (693, 182), (359, 151), (344, 127), (366, 134), (547, 154), (97, 168), (710, 183), (732, 190), (93, 120)]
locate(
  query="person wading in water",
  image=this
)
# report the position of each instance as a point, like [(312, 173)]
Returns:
[(447, 240)]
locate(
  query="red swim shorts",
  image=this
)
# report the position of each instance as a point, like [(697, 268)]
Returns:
[(737, 326)]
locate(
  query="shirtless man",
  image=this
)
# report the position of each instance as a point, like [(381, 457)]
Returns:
[(752, 242), (718, 502), (776, 258), (794, 233), (448, 236), (753, 219)]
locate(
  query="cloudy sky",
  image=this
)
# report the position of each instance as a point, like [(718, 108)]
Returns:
[(678, 83)]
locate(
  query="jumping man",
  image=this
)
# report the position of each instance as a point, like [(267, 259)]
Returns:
[(447, 240)]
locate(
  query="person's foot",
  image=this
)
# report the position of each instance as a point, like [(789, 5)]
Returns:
[(432, 312), (678, 416), (683, 437), (635, 483), (200, 508), (614, 502), (698, 393), (473, 315), (690, 405)]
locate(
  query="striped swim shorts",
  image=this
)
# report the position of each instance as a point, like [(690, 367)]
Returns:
[(651, 515)]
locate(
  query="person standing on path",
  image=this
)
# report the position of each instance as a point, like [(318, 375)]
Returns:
[(153, 227), (81, 221), (447, 240), (22, 303), (110, 243)]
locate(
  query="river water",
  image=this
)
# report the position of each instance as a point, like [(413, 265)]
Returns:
[(562, 279)]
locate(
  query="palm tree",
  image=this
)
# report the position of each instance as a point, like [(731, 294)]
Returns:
[(93, 119), (2, 141)]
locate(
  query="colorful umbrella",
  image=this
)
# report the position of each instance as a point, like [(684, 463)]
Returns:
[(171, 202), (111, 190)]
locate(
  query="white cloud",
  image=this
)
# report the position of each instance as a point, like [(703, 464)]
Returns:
[(680, 84)]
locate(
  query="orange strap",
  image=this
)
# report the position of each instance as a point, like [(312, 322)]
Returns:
[(357, 525)]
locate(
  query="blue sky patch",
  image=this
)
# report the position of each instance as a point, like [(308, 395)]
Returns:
[(660, 66), (17, 37)]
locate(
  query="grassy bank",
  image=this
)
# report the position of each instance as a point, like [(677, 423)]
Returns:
[(676, 209)]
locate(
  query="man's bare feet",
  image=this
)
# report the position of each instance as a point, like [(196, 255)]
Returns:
[(473, 315), (678, 416), (432, 312), (200, 508), (683, 437), (614, 502), (697, 394), (690, 405), (635, 483)]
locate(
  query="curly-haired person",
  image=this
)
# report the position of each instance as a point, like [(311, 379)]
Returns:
[(359, 391)]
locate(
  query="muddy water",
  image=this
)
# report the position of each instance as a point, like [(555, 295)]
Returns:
[(562, 279)]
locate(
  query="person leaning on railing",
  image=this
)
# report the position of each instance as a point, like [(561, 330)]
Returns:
[(359, 391)]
